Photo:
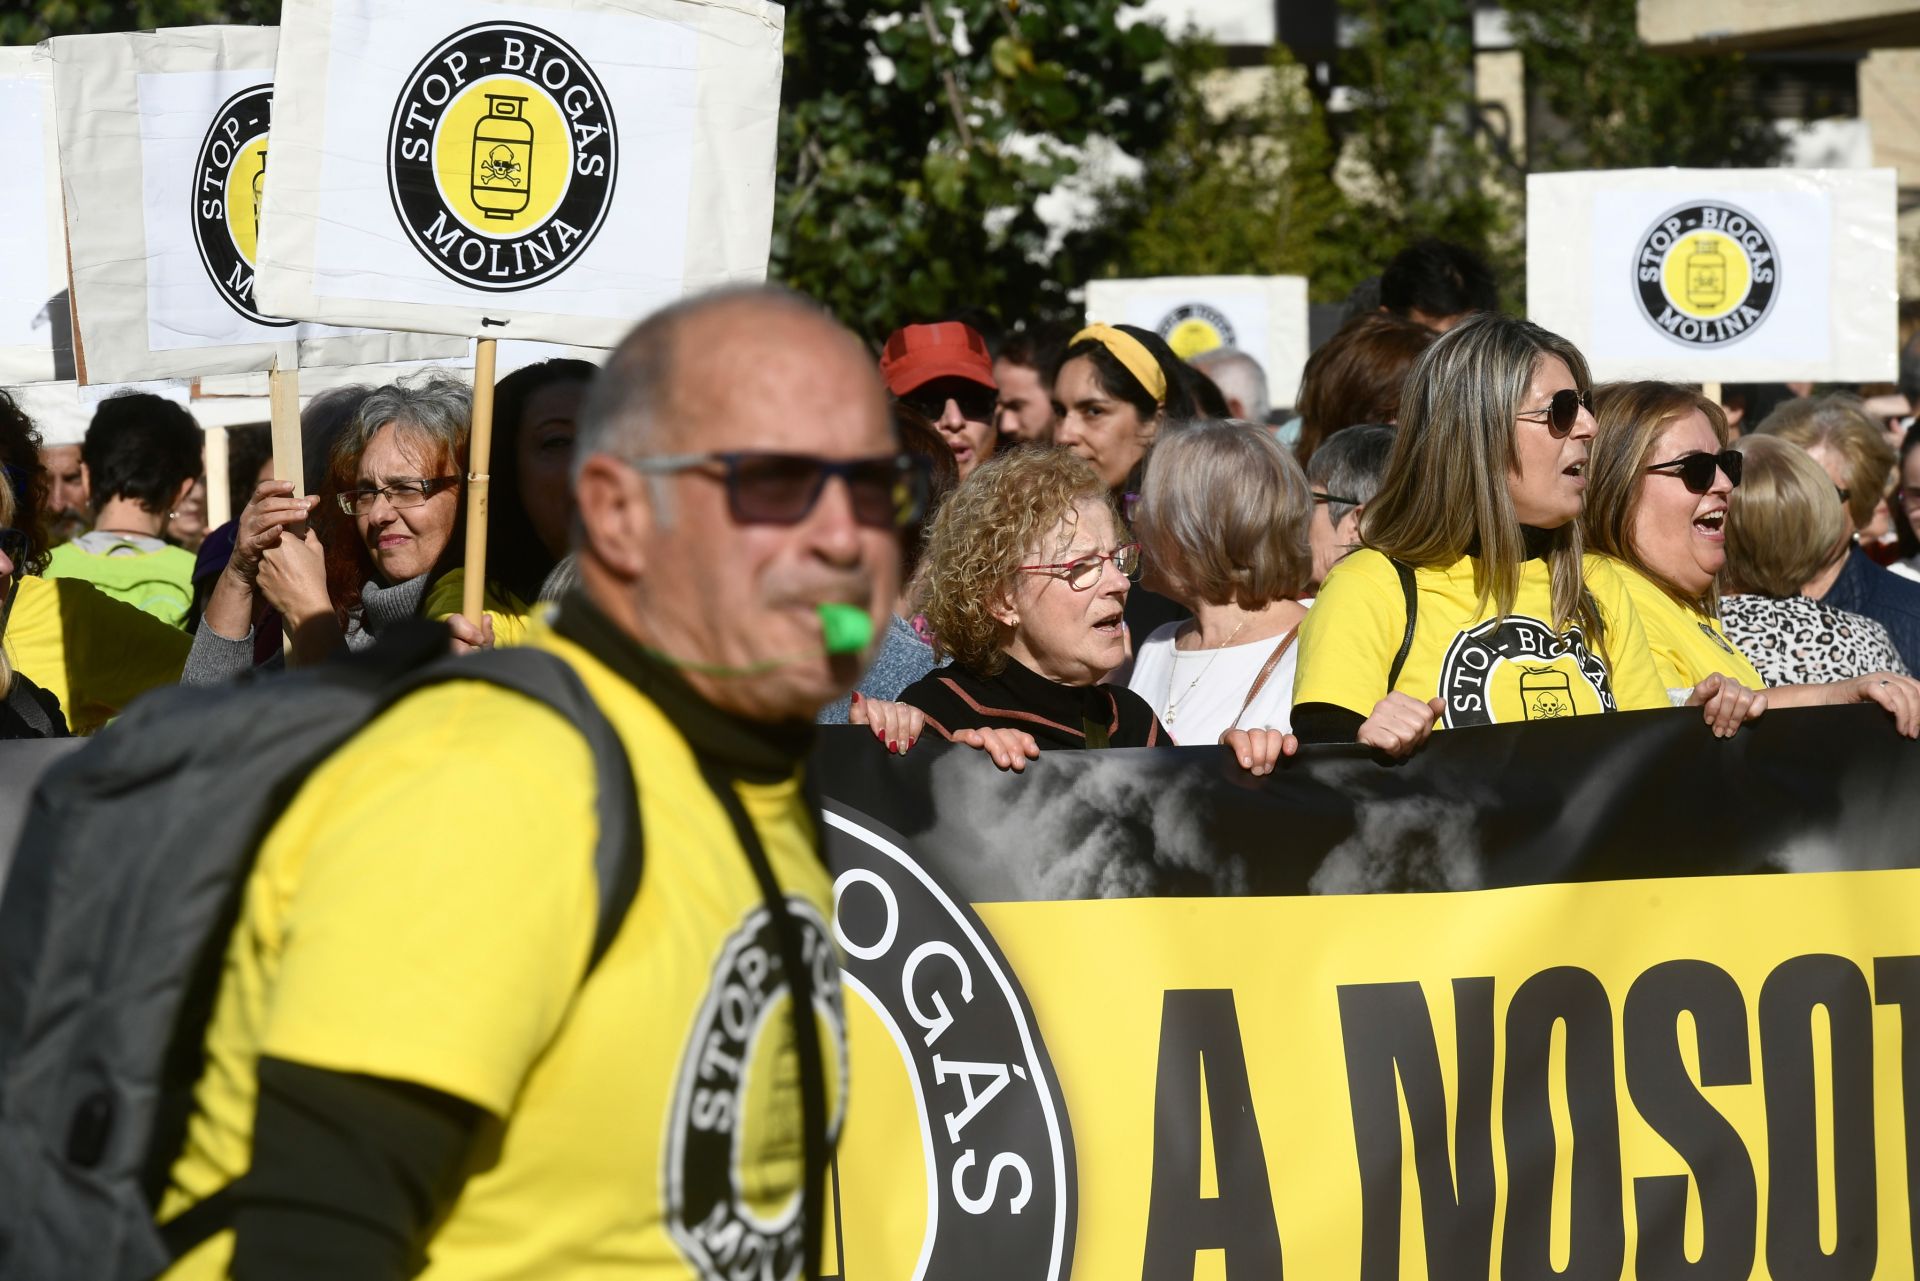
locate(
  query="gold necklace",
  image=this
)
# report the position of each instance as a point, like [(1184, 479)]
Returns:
[(1173, 704)]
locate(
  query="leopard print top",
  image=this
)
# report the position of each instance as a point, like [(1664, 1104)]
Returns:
[(1796, 640)]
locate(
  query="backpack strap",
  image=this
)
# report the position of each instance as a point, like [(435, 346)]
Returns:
[(1407, 589), (20, 698), (619, 853)]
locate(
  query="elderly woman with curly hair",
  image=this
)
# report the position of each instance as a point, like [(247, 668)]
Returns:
[(1027, 571)]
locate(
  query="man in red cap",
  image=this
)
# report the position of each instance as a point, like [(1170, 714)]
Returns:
[(945, 372)]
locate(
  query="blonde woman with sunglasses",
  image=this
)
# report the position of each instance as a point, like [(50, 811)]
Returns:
[(1471, 601), (1662, 483)]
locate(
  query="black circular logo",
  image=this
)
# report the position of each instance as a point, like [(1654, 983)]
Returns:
[(501, 156), (1706, 274), (733, 1185), (1520, 669), (228, 180), (1194, 327), (993, 1126)]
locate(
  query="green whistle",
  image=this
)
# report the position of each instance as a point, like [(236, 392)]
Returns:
[(846, 629)]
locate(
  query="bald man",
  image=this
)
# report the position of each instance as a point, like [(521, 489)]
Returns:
[(406, 997)]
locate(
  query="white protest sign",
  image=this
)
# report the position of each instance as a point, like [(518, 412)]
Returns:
[(1718, 275), (163, 157), (531, 169), (36, 340), (1263, 316)]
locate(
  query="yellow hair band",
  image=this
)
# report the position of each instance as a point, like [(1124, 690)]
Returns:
[(1133, 354)]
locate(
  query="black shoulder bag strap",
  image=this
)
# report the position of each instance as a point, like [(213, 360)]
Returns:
[(1408, 590), (806, 1034)]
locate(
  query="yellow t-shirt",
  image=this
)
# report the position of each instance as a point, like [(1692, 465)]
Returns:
[(512, 617), (1518, 669), (92, 652), (1687, 646), (424, 911)]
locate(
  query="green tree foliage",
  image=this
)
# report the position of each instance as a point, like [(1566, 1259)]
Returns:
[(1243, 184), (1412, 160), (909, 193), (1618, 105), (75, 17)]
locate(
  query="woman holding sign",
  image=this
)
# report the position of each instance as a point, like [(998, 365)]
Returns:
[(534, 409), (1470, 601), (1661, 485)]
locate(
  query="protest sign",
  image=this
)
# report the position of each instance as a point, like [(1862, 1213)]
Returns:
[(1718, 275), (36, 338), (1264, 316), (163, 158), (541, 169), (1543, 1000)]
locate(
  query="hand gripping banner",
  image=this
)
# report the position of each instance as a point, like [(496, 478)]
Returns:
[(1604, 997)]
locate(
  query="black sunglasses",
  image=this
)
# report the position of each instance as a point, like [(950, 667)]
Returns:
[(1562, 412), (887, 492), (13, 545), (1696, 470), (976, 403)]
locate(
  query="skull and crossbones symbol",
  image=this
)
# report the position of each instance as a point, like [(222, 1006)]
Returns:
[(500, 166)]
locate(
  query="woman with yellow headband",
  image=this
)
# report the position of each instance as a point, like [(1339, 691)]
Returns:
[(1113, 389)]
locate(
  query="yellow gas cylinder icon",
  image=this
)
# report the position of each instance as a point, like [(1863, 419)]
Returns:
[(1706, 273), (502, 158), (1545, 693)]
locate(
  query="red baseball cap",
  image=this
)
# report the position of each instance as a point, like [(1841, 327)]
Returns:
[(917, 354)]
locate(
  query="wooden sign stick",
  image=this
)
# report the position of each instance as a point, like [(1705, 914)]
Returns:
[(479, 458), (283, 410), (283, 407), (219, 501)]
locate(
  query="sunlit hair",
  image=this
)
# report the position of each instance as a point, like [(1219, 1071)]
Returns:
[(1842, 424), (1224, 514), (1631, 417), (7, 512), (1357, 376), (1446, 488), (1002, 516), (1785, 523)]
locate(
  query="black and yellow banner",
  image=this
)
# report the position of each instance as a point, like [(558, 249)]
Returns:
[(1594, 999)]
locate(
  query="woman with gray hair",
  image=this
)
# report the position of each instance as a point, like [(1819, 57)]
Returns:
[(1222, 523), (387, 508), (1471, 602)]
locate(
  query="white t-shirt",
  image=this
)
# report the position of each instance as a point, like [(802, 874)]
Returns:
[(1203, 706)]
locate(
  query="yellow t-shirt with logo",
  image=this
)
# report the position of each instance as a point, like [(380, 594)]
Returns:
[(1687, 645), (1488, 672), (424, 911), (512, 617), (92, 652)]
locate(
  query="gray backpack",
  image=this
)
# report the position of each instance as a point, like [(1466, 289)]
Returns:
[(117, 915)]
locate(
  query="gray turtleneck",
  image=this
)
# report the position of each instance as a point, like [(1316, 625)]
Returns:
[(215, 659)]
